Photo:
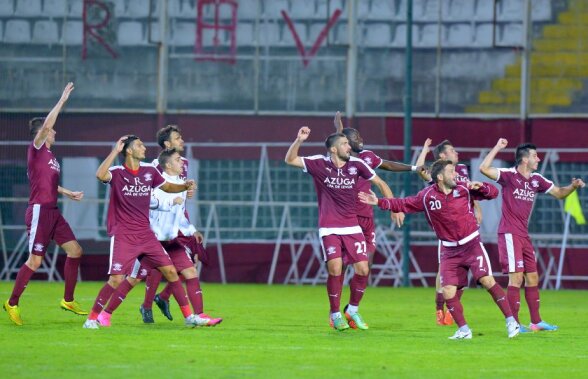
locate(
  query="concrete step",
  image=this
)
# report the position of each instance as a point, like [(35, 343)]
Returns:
[(543, 98), (537, 84), (503, 109)]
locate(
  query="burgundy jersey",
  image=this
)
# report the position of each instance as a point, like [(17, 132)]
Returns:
[(183, 175), (43, 171), (462, 173), (518, 195), (450, 216), (128, 210), (363, 185), (336, 190)]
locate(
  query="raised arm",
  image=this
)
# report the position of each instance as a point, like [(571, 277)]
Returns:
[(420, 162), (292, 157), (410, 204), (486, 166), (102, 173), (52, 116), (338, 123), (563, 192)]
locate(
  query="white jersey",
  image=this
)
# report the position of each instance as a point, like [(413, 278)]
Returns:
[(167, 218)]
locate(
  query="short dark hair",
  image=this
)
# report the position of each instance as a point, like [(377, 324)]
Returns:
[(523, 150), (348, 132), (127, 143), (438, 167), (165, 156), (35, 124), (330, 141), (164, 134), (441, 148)]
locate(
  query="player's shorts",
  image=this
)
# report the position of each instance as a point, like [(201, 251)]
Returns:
[(368, 227), (351, 247), (126, 248), (181, 250), (516, 253), (43, 225), (456, 261)]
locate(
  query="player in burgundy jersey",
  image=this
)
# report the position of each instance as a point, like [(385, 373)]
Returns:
[(448, 208), (169, 137), (43, 219), (128, 225), (445, 150), (336, 177), (520, 185)]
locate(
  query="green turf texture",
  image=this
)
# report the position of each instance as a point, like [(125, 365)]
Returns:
[(282, 332)]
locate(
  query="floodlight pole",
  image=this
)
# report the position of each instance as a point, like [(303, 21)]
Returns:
[(525, 100), (407, 142)]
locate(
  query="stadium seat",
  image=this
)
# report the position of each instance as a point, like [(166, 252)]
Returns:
[(17, 31), (510, 10), (326, 8), (377, 35), (458, 10), (342, 36), (484, 11), (459, 35), (1, 30), (269, 33), (73, 33), (6, 8), (55, 8), (363, 10), (248, 9), (512, 35), (429, 36), (541, 10), (426, 10), (303, 9), (154, 28), (245, 35), (273, 8), (136, 9), (382, 10), (483, 36), (45, 32), (28, 8), (288, 36), (183, 33), (399, 39), (76, 9), (316, 28), (130, 33)]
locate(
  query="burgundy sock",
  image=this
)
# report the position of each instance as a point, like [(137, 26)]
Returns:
[(456, 309), (22, 279), (101, 300), (500, 299), (334, 287), (180, 295), (357, 288), (70, 276), (532, 297), (439, 301), (151, 285), (166, 293), (118, 296), (195, 294), (513, 294)]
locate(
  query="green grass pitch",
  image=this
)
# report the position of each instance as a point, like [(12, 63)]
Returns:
[(282, 332)]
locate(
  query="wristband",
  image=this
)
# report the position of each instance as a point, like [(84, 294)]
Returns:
[(413, 168)]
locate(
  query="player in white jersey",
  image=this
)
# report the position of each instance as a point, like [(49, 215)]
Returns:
[(446, 151)]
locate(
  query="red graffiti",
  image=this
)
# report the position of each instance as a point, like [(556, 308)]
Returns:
[(218, 52), (306, 57), (90, 30)]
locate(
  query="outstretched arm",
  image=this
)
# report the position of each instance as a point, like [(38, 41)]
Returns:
[(563, 192), (410, 204), (52, 116), (73, 195), (486, 166), (102, 173), (482, 190), (420, 162), (292, 157), (189, 184)]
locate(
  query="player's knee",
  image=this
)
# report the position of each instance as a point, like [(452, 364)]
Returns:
[(169, 273), (115, 280), (73, 249), (531, 279), (449, 292), (133, 281), (190, 273), (487, 281), (515, 279), (362, 270), (34, 262)]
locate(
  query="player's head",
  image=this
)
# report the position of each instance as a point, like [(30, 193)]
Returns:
[(445, 150), (526, 154), (35, 124), (171, 161), (337, 144), (354, 138), (170, 137), (443, 172), (133, 147)]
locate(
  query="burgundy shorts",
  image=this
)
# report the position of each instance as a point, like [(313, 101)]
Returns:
[(44, 225), (125, 249), (456, 261), (351, 247), (368, 227), (516, 253), (181, 250)]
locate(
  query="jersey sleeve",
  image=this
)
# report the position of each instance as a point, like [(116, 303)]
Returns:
[(486, 192), (158, 180), (311, 164), (504, 174), (545, 185), (365, 171), (114, 171), (410, 204)]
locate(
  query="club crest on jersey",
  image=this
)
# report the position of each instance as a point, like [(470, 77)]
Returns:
[(148, 177), (535, 183), (455, 193), (520, 264), (331, 250), (38, 247), (117, 267), (464, 171), (368, 160), (143, 272), (352, 170)]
